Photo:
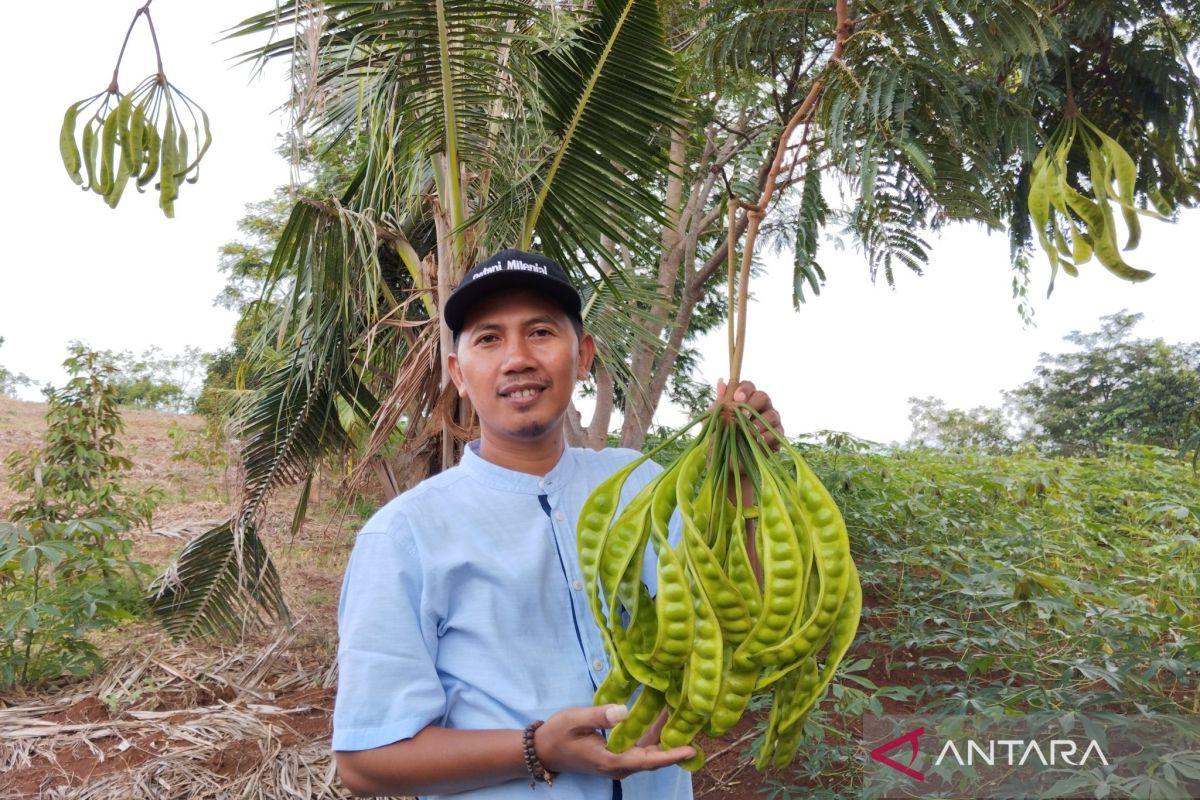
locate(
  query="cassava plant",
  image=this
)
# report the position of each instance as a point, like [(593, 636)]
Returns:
[(59, 580)]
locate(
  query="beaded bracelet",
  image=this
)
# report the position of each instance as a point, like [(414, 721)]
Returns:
[(537, 770)]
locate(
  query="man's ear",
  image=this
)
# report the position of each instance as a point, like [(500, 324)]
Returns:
[(456, 374), (587, 352)]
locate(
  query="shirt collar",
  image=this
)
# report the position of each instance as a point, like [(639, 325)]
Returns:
[(509, 480)]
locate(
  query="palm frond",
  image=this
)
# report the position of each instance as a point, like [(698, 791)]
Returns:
[(206, 591), (390, 56), (608, 99), (227, 570), (330, 255), (410, 404)]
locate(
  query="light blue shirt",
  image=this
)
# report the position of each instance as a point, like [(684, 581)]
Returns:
[(462, 606)]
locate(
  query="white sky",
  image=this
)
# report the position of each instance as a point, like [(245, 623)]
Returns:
[(850, 359), (124, 278), (129, 278)]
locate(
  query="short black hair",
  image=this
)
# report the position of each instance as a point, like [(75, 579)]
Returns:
[(576, 323)]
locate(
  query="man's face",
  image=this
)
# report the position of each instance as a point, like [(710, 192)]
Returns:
[(517, 360)]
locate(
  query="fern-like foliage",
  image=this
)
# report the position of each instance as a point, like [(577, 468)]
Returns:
[(961, 94), (739, 38), (888, 222), (913, 88), (813, 212)]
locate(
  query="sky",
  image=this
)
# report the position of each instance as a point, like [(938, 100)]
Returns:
[(125, 278), (129, 279)]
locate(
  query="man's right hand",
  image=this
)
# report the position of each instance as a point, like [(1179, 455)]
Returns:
[(569, 741)]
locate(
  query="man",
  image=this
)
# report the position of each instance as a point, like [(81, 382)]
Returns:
[(463, 619)]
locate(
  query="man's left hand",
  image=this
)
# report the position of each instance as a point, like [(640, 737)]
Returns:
[(760, 402)]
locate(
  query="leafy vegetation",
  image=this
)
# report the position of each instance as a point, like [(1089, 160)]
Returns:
[(1065, 576), (233, 373), (158, 380), (1113, 388), (65, 567), (942, 428), (1010, 583), (531, 130), (153, 379), (76, 472)]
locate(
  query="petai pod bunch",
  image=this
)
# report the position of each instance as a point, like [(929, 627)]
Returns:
[(712, 635), (1087, 226), (137, 137)]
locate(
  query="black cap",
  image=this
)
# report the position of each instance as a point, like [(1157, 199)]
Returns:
[(511, 269)]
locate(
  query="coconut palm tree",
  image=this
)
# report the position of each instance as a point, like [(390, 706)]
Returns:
[(480, 125)]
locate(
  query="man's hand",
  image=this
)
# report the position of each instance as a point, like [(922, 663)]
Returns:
[(760, 402), (569, 741), (444, 761)]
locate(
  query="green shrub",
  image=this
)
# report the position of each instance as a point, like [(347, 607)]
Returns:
[(65, 566), (55, 586)]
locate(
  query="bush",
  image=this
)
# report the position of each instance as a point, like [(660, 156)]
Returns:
[(76, 472), (56, 584), (65, 568)]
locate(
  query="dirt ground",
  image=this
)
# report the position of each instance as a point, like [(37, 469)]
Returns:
[(250, 719)]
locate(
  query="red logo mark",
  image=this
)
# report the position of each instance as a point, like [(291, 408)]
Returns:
[(887, 747)]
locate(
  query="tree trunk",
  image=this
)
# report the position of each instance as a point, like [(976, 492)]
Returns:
[(654, 368), (595, 435), (640, 405), (445, 278)]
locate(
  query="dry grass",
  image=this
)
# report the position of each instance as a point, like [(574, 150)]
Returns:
[(169, 720), (21, 426)]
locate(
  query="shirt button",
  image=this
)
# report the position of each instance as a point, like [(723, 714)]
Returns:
[(577, 585), (558, 515), (597, 665)]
